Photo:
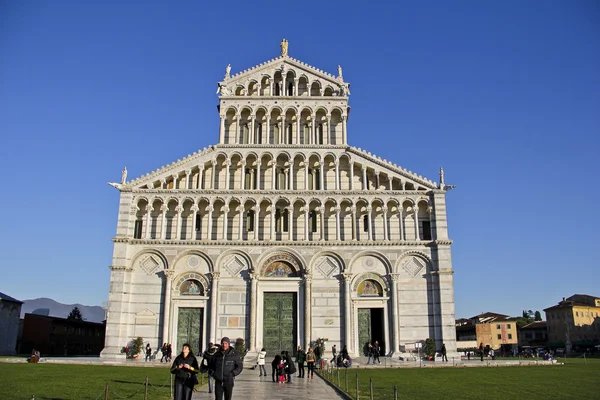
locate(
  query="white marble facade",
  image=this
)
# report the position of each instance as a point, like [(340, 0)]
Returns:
[(282, 186)]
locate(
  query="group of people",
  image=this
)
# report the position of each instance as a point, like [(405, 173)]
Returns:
[(283, 367), (341, 359), (222, 364), (167, 352), (373, 350)]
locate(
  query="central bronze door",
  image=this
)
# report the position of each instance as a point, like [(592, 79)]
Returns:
[(279, 323), (190, 329)]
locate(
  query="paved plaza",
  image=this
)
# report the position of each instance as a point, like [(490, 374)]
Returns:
[(248, 385)]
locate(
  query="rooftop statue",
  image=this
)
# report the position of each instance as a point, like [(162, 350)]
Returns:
[(124, 175), (340, 76), (284, 47), (228, 71)]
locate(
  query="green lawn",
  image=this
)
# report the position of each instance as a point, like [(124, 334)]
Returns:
[(575, 380), (77, 382)]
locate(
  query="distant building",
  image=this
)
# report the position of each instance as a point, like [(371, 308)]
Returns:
[(574, 322), (534, 334), (495, 331), (60, 336), (10, 310)]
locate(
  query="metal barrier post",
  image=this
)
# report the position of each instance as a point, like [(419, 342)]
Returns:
[(346, 380), (371, 388), (146, 391), (357, 398), (338, 374), (395, 392), (106, 391)]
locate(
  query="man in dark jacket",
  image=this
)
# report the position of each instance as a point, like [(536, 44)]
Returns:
[(289, 365), (225, 365), (300, 359), (206, 356)]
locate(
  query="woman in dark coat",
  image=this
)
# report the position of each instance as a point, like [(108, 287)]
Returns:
[(274, 367), (291, 368), (185, 367)]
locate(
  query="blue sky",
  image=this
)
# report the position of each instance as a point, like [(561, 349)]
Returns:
[(504, 95)]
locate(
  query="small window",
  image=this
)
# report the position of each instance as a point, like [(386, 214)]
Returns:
[(499, 336), (425, 230), (313, 221), (137, 230), (577, 313), (498, 326), (365, 223), (317, 179), (250, 221), (508, 326), (510, 336), (198, 222)]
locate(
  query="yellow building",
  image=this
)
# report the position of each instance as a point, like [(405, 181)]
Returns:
[(495, 330), (574, 321)]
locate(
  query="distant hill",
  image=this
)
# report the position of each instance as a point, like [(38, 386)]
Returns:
[(90, 313)]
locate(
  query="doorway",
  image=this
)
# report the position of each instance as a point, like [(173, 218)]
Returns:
[(370, 329), (279, 322), (190, 328)]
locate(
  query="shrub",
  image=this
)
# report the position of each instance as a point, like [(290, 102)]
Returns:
[(240, 347), (429, 348), (138, 344)]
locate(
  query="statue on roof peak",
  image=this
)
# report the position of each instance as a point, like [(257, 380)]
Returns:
[(228, 71), (284, 47), (340, 76)]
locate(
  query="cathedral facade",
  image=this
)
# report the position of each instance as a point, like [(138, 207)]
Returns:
[(281, 233)]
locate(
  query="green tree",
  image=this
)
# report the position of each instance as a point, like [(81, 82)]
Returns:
[(538, 316), (75, 314), (429, 348)]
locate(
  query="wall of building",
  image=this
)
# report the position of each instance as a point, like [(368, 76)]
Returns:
[(9, 326)]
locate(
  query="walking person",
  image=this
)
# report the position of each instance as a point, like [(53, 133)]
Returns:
[(310, 362), (226, 365), (169, 352), (444, 356), (300, 359), (148, 352), (370, 354), (163, 351), (185, 367), (481, 350), (334, 354), (291, 368), (261, 362), (206, 357), (376, 351)]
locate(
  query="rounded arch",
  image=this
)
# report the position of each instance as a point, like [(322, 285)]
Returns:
[(259, 108), (328, 154), (235, 252), (291, 107), (301, 155), (336, 108), (365, 276), (327, 253), (157, 253), (246, 107), (373, 253), (281, 254), (219, 154), (276, 108), (410, 254), (236, 153), (198, 253), (231, 108), (309, 108), (180, 279)]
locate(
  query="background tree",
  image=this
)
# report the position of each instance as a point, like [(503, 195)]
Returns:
[(429, 348), (538, 316), (75, 314)]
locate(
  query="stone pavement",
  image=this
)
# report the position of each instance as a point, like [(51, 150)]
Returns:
[(248, 385)]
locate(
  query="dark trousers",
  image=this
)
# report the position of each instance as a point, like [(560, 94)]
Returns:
[(223, 389), (301, 370), (444, 357), (311, 368), (182, 391), (274, 373)]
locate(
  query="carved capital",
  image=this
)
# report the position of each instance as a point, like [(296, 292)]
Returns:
[(164, 208), (195, 208), (429, 209), (168, 273), (243, 163), (188, 172), (178, 209), (364, 168), (308, 278), (216, 276), (347, 276), (201, 167), (337, 210), (353, 209), (228, 162), (385, 210), (369, 209), (225, 209), (395, 277), (336, 163), (210, 209)]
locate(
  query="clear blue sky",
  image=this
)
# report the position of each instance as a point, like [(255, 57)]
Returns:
[(504, 95)]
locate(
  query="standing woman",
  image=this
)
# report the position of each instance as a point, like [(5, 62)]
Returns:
[(310, 362), (261, 362), (185, 367)]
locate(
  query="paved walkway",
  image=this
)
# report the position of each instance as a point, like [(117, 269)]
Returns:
[(248, 385)]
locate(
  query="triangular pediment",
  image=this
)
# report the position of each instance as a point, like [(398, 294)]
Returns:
[(282, 63)]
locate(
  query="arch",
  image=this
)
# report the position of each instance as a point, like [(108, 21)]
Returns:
[(198, 253), (157, 253), (281, 254), (291, 107), (336, 108), (246, 108), (373, 253), (235, 252), (275, 108), (366, 276), (231, 107), (413, 253), (328, 253), (191, 275)]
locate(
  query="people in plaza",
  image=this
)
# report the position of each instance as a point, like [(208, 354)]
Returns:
[(290, 367), (163, 351), (310, 362), (333, 354), (300, 359), (444, 356), (370, 353), (206, 357), (318, 353), (185, 367), (481, 350), (35, 356), (148, 352), (169, 352), (225, 366), (275, 368), (376, 351), (261, 362)]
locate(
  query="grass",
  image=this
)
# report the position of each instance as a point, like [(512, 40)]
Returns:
[(77, 382), (573, 380)]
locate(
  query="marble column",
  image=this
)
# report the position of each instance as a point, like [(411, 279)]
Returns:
[(256, 212), (395, 317), (200, 175), (321, 175), (322, 222), (351, 173), (175, 178), (167, 274), (290, 221), (306, 214), (401, 222), (307, 309), (344, 134), (241, 222), (149, 221), (328, 141), (213, 168), (253, 306), (227, 173), (252, 179), (214, 298), (268, 130), (176, 231), (298, 129), (222, 130), (258, 175), (210, 209), (291, 184), (364, 178), (416, 217), (194, 216), (243, 174), (273, 165), (252, 133), (272, 219), (353, 211), (306, 175), (390, 183), (337, 174), (337, 223), (370, 223), (163, 226), (188, 173), (385, 224), (347, 311), (225, 221), (313, 137)]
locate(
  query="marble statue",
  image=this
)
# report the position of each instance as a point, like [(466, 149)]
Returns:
[(284, 47), (124, 175), (228, 71), (340, 76), (442, 178)]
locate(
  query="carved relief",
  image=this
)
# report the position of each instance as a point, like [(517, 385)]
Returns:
[(150, 264), (413, 266), (234, 265), (326, 266)]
